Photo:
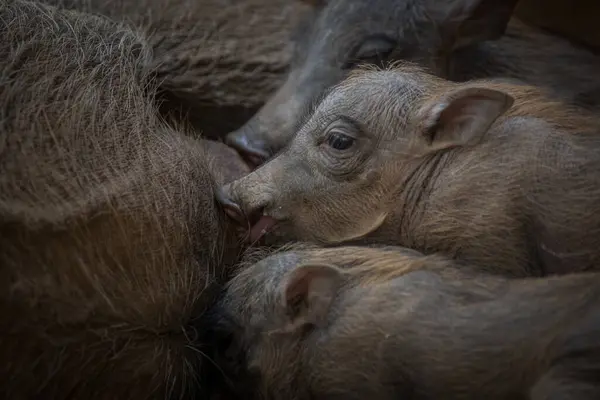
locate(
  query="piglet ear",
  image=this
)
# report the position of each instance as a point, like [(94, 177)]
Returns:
[(465, 22), (308, 291), (314, 3), (460, 117)]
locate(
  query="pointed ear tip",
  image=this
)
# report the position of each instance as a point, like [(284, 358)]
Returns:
[(491, 93), (309, 270), (506, 98), (508, 102), (299, 278)]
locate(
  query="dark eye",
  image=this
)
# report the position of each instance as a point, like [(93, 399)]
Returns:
[(375, 50), (339, 141)]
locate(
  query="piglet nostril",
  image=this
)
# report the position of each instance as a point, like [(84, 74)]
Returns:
[(231, 208), (253, 150)]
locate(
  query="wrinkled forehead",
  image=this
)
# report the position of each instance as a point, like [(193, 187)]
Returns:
[(375, 98)]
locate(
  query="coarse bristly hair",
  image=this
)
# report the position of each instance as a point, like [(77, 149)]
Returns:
[(529, 100), (216, 59), (112, 247)]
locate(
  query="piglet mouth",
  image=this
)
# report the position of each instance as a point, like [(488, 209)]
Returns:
[(261, 227), (259, 223)]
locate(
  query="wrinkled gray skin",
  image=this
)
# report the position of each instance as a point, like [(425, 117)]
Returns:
[(339, 324), (484, 171), (449, 37)]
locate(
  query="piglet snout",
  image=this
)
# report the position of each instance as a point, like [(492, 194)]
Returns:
[(253, 149), (231, 208)]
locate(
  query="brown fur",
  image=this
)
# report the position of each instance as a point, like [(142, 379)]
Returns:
[(112, 246), (217, 61), (520, 195), (426, 331), (457, 39), (226, 164), (529, 101)]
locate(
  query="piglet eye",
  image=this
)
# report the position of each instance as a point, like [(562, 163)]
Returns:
[(339, 141)]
